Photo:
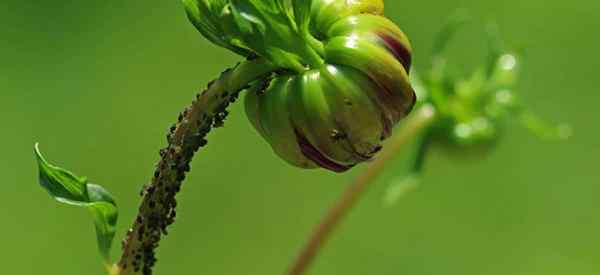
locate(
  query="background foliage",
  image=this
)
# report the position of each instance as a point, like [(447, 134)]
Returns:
[(97, 83)]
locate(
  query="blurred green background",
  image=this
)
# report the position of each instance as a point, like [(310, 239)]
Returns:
[(97, 83)]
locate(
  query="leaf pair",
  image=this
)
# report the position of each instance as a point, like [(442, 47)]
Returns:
[(68, 188)]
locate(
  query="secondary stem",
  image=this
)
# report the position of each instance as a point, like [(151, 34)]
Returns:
[(412, 127), (157, 209)]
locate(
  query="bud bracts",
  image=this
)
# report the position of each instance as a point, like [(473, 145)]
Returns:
[(352, 87)]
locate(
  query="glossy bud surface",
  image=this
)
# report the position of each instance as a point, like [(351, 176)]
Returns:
[(344, 78)]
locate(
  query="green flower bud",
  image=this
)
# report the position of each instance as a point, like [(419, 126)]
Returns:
[(343, 82), (473, 110)]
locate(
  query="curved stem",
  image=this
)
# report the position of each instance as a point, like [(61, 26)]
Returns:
[(411, 128), (157, 209)]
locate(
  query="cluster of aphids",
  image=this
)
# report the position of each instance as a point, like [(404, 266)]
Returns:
[(159, 211)]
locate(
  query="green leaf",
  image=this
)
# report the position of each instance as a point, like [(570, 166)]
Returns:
[(248, 19), (302, 11), (68, 188), (543, 129), (211, 18)]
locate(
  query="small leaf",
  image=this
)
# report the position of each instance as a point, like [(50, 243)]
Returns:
[(68, 188), (61, 184), (543, 129), (246, 21), (211, 18), (302, 11)]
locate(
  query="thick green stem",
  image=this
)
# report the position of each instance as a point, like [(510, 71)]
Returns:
[(157, 209), (412, 127)]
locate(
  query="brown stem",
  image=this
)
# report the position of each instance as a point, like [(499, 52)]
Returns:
[(157, 209), (412, 126)]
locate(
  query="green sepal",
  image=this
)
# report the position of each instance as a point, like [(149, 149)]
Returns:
[(302, 13), (67, 188), (264, 28), (210, 17)]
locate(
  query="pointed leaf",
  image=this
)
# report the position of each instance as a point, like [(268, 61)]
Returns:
[(68, 188), (61, 184)]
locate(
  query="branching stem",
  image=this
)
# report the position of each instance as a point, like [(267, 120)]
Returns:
[(412, 126), (157, 209)]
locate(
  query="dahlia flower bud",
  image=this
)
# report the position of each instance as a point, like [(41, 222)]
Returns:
[(343, 82)]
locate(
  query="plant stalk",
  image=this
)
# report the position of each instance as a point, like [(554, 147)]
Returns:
[(411, 128), (186, 137)]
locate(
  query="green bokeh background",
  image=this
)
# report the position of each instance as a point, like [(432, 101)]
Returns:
[(97, 83)]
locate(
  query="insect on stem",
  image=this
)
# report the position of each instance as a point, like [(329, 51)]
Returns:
[(158, 207)]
